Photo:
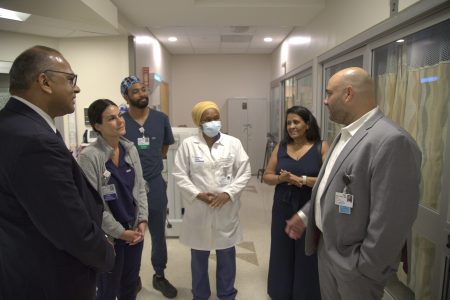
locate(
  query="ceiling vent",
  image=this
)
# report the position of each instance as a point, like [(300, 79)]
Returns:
[(239, 29), (230, 38)]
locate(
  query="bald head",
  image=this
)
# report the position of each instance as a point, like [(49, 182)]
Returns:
[(360, 81), (351, 94)]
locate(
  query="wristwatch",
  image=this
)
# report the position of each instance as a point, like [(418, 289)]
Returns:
[(304, 179)]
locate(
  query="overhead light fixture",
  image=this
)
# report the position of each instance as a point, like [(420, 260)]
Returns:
[(268, 39), (13, 15), (172, 39), (300, 40), (143, 40), (400, 41)]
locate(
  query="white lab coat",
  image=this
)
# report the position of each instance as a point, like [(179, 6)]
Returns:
[(226, 168)]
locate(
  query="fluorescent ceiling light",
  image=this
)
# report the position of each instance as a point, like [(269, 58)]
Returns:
[(300, 40), (268, 39), (400, 41), (172, 39), (13, 15), (143, 40)]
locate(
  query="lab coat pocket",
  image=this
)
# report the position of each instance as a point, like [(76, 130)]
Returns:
[(225, 169)]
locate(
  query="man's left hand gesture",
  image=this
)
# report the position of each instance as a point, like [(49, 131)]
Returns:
[(295, 227)]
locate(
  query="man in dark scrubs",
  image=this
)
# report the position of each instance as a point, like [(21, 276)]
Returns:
[(150, 130)]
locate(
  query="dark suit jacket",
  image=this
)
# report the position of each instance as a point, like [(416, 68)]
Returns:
[(51, 244), (383, 162)]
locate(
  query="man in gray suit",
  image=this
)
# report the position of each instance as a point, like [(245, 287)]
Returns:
[(366, 196)]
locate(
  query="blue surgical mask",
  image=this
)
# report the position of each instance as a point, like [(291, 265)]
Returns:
[(212, 128)]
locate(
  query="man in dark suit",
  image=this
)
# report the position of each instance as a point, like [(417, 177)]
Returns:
[(366, 196), (51, 244)]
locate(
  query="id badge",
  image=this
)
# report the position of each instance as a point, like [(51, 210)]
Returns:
[(143, 143), (343, 199), (225, 180), (345, 210), (109, 192)]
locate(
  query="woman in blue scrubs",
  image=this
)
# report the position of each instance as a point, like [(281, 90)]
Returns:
[(113, 167)]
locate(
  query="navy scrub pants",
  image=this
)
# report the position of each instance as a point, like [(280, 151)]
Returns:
[(225, 274), (157, 213), (122, 280)]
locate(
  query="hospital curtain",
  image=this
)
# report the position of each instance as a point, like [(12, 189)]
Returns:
[(417, 99)]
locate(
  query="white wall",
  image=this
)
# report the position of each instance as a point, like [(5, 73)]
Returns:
[(338, 22), (12, 44), (101, 63), (216, 77), (155, 57), (158, 60), (403, 4)]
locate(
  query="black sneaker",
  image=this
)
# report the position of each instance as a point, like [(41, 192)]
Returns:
[(163, 285), (139, 285)]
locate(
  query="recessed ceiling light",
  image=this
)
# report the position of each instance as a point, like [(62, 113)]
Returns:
[(13, 15), (143, 40), (400, 41), (268, 39), (300, 40), (172, 39)]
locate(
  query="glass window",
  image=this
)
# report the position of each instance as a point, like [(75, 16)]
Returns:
[(446, 293), (412, 79), (332, 128), (289, 94), (275, 102), (423, 254), (4, 89), (304, 91)]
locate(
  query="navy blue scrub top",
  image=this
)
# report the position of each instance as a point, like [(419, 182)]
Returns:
[(157, 129), (123, 208)]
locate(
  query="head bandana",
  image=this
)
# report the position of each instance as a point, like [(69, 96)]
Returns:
[(200, 108), (127, 83)]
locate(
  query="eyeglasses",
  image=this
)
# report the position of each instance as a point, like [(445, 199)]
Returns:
[(72, 78)]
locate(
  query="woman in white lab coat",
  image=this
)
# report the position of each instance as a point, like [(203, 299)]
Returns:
[(211, 170)]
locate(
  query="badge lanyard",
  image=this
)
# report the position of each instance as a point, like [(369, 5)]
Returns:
[(108, 190), (143, 142), (345, 199)]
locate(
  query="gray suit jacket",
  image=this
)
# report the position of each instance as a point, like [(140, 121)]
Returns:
[(383, 162)]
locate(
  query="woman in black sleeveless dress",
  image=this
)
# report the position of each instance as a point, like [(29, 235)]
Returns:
[(293, 167)]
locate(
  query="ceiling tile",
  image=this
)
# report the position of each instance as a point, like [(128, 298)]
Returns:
[(205, 39), (207, 51)]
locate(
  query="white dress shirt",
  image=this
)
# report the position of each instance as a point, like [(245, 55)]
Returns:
[(344, 137)]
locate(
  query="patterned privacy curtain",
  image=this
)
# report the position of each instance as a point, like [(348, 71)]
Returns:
[(422, 109), (417, 99)]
